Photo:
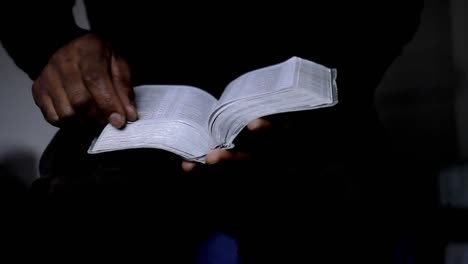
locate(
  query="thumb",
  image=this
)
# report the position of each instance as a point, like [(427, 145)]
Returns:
[(259, 124)]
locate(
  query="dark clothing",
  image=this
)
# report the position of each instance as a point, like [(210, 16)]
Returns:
[(278, 207)]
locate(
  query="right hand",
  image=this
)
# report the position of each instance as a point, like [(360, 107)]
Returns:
[(85, 81), (257, 129)]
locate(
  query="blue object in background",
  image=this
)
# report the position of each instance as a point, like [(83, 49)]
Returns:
[(219, 248)]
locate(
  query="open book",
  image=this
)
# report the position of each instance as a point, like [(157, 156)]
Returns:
[(190, 122)]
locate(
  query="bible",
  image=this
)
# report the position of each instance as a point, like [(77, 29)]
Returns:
[(190, 122)]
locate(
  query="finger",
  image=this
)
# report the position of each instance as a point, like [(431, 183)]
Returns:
[(77, 94), (220, 155), (48, 111), (121, 80), (259, 124), (97, 81), (54, 87), (44, 102), (188, 166)]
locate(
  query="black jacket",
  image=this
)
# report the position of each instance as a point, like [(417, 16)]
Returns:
[(208, 46)]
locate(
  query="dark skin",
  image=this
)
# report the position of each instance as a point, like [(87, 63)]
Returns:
[(86, 82)]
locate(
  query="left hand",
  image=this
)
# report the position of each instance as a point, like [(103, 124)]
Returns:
[(222, 155)]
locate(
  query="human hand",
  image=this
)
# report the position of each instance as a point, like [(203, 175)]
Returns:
[(217, 156), (85, 81)]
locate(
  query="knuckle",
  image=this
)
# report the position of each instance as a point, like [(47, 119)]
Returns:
[(124, 81), (62, 56), (53, 120), (107, 102), (38, 95), (66, 113), (121, 71), (78, 98), (79, 101), (92, 78), (39, 84), (35, 88)]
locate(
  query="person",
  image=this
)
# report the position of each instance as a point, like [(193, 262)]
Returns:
[(298, 186)]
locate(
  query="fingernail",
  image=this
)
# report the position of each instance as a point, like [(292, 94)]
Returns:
[(132, 113), (116, 120)]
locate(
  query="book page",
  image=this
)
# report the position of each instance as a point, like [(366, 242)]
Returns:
[(236, 117), (174, 102), (298, 85), (171, 117), (317, 80), (261, 81), (257, 83)]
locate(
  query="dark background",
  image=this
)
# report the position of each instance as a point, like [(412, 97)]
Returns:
[(423, 102)]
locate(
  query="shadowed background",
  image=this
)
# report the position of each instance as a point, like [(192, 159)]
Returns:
[(423, 102)]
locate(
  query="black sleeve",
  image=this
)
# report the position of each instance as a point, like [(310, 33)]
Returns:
[(372, 40), (366, 45), (31, 31)]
